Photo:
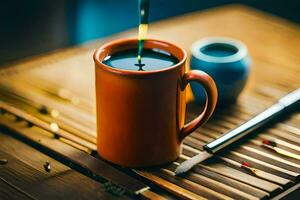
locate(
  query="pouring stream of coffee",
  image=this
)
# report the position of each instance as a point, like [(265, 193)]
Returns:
[(143, 27)]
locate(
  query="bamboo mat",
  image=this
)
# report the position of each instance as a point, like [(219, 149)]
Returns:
[(70, 113), (57, 93)]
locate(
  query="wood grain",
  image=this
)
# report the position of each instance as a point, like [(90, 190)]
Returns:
[(10, 192), (25, 172), (76, 158), (274, 48)]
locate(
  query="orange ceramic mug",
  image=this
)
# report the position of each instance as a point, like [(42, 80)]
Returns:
[(140, 114)]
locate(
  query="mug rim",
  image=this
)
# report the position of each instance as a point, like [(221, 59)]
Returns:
[(242, 50), (104, 49)]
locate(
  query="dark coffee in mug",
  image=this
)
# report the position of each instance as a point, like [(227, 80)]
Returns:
[(152, 59)]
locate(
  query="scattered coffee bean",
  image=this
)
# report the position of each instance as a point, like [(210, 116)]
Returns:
[(18, 119), (29, 124), (43, 110), (47, 167), (56, 136), (3, 161)]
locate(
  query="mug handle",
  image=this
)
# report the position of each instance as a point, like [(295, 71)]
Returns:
[(211, 100)]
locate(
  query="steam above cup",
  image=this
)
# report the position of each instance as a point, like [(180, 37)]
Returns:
[(227, 61)]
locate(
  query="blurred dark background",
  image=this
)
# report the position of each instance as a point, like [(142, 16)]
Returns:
[(35, 26)]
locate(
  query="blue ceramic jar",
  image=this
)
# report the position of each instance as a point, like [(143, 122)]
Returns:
[(226, 60)]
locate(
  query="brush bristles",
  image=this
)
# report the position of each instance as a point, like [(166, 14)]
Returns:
[(190, 163)]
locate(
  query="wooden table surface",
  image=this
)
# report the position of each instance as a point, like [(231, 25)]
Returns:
[(274, 46)]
